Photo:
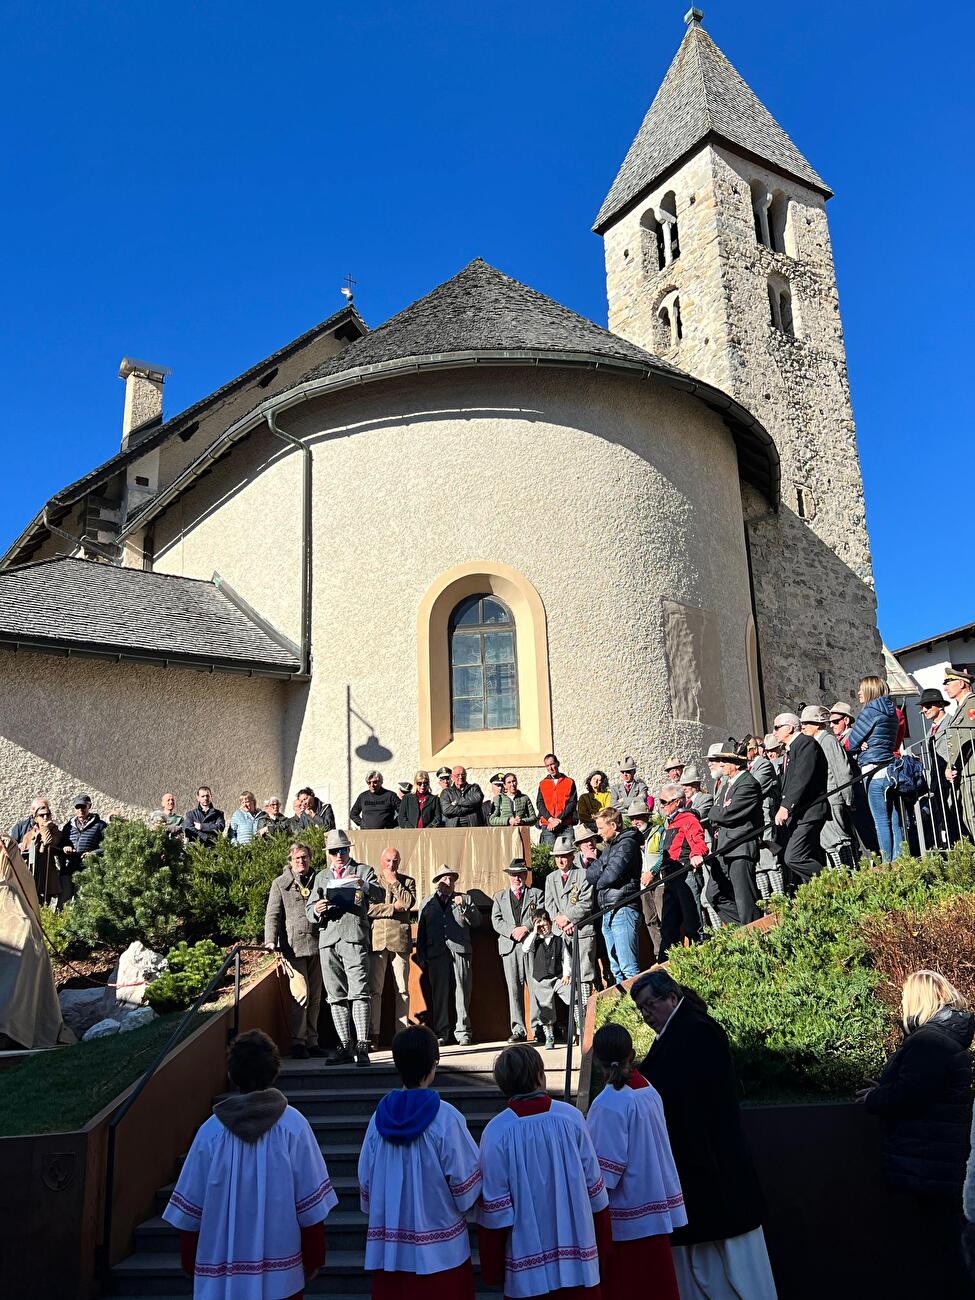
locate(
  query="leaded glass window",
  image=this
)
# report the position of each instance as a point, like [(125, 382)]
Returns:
[(483, 666)]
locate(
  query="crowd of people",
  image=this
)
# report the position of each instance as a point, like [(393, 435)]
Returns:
[(639, 1188)]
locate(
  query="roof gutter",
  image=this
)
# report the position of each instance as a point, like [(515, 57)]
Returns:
[(711, 396), (304, 649)]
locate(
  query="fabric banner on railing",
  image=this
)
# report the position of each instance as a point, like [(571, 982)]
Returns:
[(479, 854)]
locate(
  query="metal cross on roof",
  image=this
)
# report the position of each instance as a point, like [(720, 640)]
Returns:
[(348, 289)]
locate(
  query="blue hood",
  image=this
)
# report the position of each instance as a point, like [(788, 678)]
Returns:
[(403, 1115)]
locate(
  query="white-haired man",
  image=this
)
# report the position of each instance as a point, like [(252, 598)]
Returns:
[(804, 808)]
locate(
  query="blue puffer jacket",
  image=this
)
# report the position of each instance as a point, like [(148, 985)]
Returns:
[(877, 725)]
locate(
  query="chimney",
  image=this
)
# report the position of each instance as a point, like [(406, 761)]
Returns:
[(143, 397)]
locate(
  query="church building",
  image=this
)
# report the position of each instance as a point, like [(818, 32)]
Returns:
[(483, 530)]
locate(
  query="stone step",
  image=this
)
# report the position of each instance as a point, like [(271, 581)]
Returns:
[(346, 1189), (338, 1128), (346, 1232), (159, 1274)]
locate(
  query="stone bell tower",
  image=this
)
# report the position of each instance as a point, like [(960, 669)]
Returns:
[(718, 259)]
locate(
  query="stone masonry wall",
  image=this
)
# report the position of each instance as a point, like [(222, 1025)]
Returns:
[(813, 581)]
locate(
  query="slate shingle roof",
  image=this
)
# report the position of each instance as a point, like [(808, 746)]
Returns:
[(701, 96), (347, 318), (80, 604), (483, 310)]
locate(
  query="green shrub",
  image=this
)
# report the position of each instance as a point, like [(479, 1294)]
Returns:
[(541, 864), (190, 970), (800, 1002), (227, 885), (135, 890), (59, 938)]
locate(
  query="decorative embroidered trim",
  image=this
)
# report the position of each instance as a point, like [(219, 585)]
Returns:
[(364, 1192), (502, 1203), (410, 1237), (611, 1166), (460, 1188), (597, 1187), (181, 1203), (582, 1253), (652, 1207), (317, 1195), (247, 1267)]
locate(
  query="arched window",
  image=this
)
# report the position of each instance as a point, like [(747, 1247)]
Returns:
[(661, 241), (668, 218), (778, 214), (483, 665), (780, 307), (760, 206), (669, 328)]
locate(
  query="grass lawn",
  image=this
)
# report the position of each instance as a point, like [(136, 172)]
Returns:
[(62, 1089)]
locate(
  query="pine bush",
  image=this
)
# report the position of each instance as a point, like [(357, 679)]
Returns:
[(190, 971), (135, 890), (802, 1003), (228, 885)]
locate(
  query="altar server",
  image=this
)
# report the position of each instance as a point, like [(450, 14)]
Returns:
[(543, 1218), (418, 1176), (626, 1122), (252, 1198)]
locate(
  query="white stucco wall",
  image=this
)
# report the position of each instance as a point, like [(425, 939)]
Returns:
[(125, 733), (606, 493)]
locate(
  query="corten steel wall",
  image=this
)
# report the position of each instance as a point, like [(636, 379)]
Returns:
[(52, 1185), (606, 494), (126, 733)]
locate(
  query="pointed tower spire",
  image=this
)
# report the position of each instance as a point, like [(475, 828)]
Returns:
[(702, 98)]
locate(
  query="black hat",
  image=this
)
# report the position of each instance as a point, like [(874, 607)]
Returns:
[(497, 779), (932, 696), (730, 752)]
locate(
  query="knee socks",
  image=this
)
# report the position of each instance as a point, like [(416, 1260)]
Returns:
[(340, 1015), (360, 1018)]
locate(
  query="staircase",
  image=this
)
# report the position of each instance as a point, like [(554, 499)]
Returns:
[(337, 1101)]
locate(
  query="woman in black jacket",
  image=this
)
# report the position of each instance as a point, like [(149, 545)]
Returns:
[(419, 809), (924, 1097)]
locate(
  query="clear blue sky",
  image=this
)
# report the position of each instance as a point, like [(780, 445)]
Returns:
[(189, 183)]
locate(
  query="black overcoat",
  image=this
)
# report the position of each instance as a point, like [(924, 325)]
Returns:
[(690, 1065)]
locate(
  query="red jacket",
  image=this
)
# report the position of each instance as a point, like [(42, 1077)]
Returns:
[(557, 799), (683, 838)]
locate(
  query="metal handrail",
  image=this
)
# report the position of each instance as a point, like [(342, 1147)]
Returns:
[(232, 957)]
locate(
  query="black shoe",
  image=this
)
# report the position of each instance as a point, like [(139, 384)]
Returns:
[(518, 1036), (299, 1052), (341, 1056), (318, 1051), (362, 1054)]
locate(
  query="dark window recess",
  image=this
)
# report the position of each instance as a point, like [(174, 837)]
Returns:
[(186, 434), (801, 502), (268, 378), (822, 681), (141, 480)]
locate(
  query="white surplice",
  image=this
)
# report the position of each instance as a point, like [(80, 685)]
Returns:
[(542, 1180), (416, 1195), (630, 1136), (249, 1202)]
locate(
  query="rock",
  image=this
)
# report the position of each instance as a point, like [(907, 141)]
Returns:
[(136, 1018), (103, 1029), (136, 969), (82, 1008)]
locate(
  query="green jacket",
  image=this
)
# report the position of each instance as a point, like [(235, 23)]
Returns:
[(505, 807)]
